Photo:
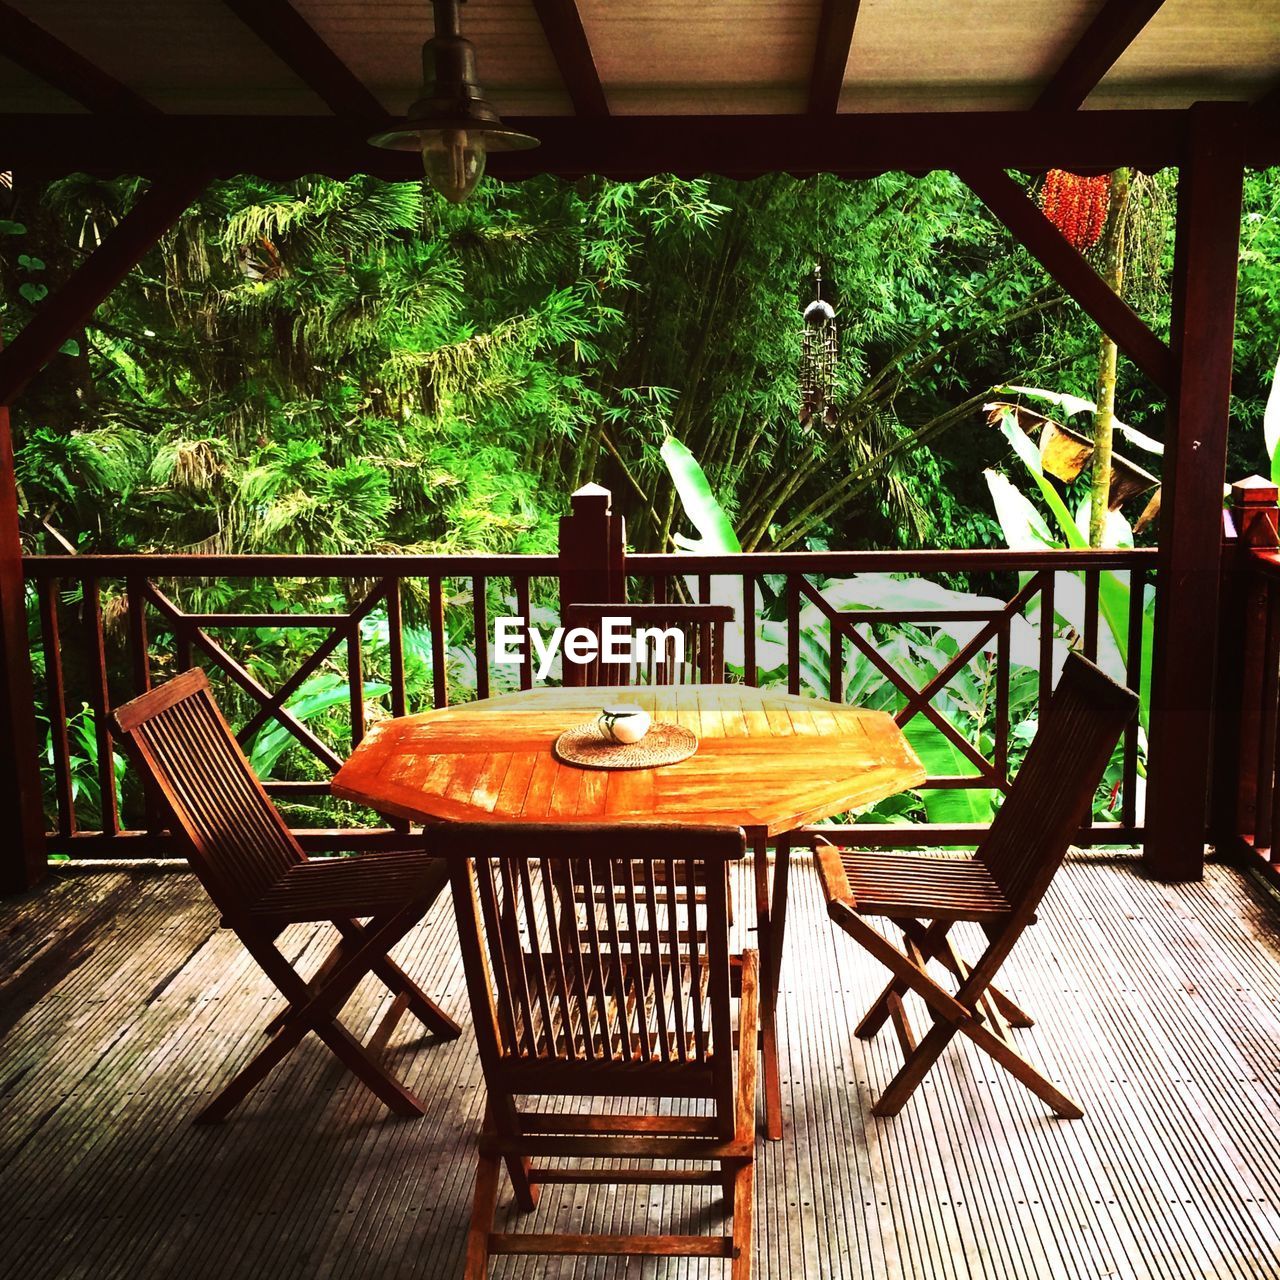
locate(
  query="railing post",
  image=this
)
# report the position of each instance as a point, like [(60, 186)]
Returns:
[(23, 861), (1245, 607), (592, 557)]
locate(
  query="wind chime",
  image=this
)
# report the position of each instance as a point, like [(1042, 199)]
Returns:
[(818, 350)]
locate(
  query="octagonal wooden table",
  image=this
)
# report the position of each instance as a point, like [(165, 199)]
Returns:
[(766, 761)]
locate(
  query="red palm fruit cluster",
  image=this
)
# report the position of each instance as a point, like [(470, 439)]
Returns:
[(1077, 206)]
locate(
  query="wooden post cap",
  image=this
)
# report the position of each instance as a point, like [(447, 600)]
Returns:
[(1253, 503), (591, 497), (1254, 491)]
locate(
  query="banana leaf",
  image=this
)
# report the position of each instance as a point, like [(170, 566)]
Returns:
[(941, 758), (705, 513), (316, 696)]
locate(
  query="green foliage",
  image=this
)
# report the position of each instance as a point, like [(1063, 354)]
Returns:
[(1026, 529), (322, 365), (325, 366)]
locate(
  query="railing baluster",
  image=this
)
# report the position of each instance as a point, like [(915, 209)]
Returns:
[(1091, 614), (704, 588), (835, 656), (355, 683), (1001, 751), (480, 619), (56, 705), (660, 588), (395, 647), (439, 684), (1133, 677), (750, 674), (140, 666), (100, 701), (793, 633), (1047, 578), (523, 608), (182, 648)]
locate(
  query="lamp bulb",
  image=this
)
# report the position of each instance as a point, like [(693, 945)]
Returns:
[(453, 160)]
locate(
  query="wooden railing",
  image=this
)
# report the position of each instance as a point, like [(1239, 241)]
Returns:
[(407, 633), (1245, 805)]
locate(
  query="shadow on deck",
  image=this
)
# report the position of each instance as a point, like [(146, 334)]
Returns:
[(1159, 1007)]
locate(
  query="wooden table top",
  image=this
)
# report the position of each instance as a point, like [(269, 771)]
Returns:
[(767, 761)]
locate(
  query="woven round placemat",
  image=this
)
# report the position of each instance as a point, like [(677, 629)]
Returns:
[(586, 746)]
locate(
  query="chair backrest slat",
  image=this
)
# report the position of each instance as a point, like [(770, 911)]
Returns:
[(1053, 792), (605, 946), (237, 842), (701, 626)]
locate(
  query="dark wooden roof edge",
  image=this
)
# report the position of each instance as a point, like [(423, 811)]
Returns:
[(627, 146), (831, 55), (57, 64), (1113, 29), (294, 41), (562, 25)]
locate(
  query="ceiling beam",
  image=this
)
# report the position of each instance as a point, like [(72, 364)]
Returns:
[(1011, 204), (59, 65), (562, 25), (65, 311), (627, 147), (1112, 31), (294, 41), (831, 55)]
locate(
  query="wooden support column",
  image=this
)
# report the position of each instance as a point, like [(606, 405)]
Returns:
[(1206, 261), (23, 861), (592, 556)]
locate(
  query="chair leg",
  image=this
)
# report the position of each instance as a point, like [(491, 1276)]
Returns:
[(500, 1117), (526, 1190), (914, 1069), (1016, 1065), (1013, 1014), (314, 1007), (930, 940), (768, 1011), (484, 1204), (353, 1055), (250, 1076), (396, 980), (316, 981), (743, 1206)]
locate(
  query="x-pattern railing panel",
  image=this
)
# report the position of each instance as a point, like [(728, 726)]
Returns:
[(109, 654), (918, 701)]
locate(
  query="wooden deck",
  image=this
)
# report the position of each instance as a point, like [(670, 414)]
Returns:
[(1160, 1010)]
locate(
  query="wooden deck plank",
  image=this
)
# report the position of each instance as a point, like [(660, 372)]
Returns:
[(1157, 1005)]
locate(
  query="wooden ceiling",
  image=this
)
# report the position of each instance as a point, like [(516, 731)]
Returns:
[(316, 74)]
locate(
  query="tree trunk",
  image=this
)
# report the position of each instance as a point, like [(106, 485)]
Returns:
[(1104, 417)]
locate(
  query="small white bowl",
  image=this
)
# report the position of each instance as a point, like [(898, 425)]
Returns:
[(624, 722)]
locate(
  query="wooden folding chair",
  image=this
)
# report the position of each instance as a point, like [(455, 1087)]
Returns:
[(701, 627), (999, 888), (260, 880), (588, 980)]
